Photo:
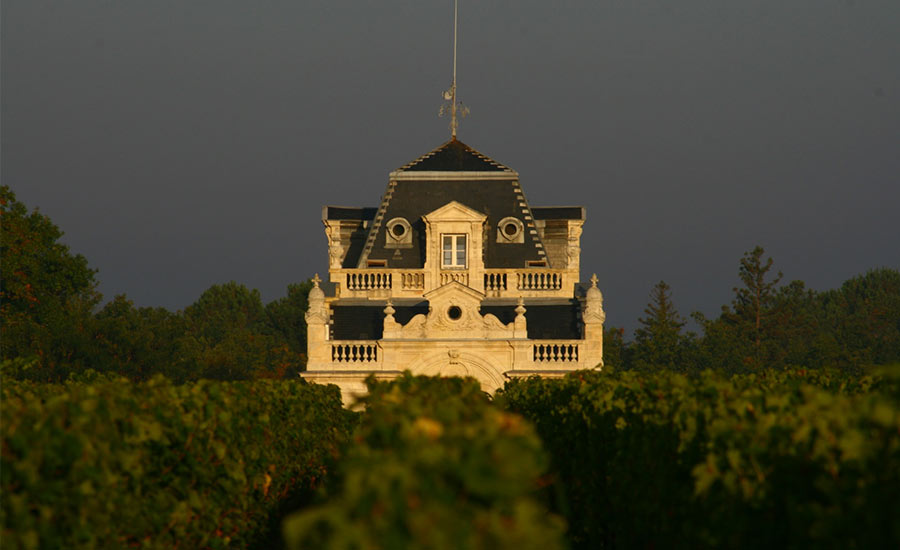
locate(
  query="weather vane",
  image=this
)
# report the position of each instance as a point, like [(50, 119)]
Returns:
[(451, 104)]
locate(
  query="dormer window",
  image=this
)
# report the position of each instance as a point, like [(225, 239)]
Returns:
[(399, 234), (454, 252), (510, 230)]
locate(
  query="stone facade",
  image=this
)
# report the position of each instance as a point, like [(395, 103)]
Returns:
[(453, 274)]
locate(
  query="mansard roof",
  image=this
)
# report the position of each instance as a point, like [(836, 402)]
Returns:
[(453, 172), (365, 321), (454, 156)]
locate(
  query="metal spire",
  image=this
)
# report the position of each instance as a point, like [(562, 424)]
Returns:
[(455, 108)]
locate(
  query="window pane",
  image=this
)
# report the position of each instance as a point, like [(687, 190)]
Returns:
[(448, 242), (461, 250), (448, 257)]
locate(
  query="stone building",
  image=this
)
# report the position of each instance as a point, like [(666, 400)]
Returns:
[(455, 274)]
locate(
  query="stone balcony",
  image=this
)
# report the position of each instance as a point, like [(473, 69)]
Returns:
[(525, 355), (380, 283)]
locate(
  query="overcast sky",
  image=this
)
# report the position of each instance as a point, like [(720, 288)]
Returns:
[(182, 143)]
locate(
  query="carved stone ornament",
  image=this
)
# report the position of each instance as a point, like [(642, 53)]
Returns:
[(453, 313), (593, 310), (316, 312)]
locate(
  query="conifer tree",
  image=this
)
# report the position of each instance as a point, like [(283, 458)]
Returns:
[(659, 342), (741, 339)]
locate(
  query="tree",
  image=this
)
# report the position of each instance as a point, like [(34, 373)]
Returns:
[(229, 326), (140, 342), (615, 350), (754, 302), (740, 339), (47, 294), (659, 343), (862, 318), (286, 316)]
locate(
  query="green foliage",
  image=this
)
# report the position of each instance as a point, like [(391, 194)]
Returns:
[(659, 342), (615, 350), (46, 293), (286, 316), (794, 459), (434, 465), (235, 336), (106, 463), (141, 342), (770, 327), (863, 317)]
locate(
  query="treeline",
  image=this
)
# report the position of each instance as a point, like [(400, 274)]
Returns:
[(769, 325), (53, 325)]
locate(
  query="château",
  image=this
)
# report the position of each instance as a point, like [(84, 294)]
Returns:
[(454, 273)]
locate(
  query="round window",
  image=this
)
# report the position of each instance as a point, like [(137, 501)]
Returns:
[(454, 312), (398, 230), (510, 229)]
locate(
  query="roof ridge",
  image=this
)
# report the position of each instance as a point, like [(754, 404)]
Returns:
[(468, 149), (426, 155)]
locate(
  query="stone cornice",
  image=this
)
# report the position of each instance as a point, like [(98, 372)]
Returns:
[(453, 176)]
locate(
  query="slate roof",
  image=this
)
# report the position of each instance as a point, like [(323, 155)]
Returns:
[(359, 322), (411, 199), (544, 322), (348, 213), (558, 212), (454, 156)]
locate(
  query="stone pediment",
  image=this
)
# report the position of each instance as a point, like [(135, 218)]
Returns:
[(454, 211), (453, 314), (454, 290)]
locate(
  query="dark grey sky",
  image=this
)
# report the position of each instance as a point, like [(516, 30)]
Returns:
[(183, 143)]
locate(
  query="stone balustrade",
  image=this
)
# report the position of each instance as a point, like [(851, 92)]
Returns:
[(539, 280), (412, 280), (497, 283), (553, 351), (369, 280), (354, 351), (461, 277)]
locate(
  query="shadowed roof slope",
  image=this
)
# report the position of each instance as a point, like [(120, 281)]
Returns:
[(454, 156)]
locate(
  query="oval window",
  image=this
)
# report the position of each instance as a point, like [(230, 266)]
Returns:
[(510, 229), (454, 312), (398, 230)]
